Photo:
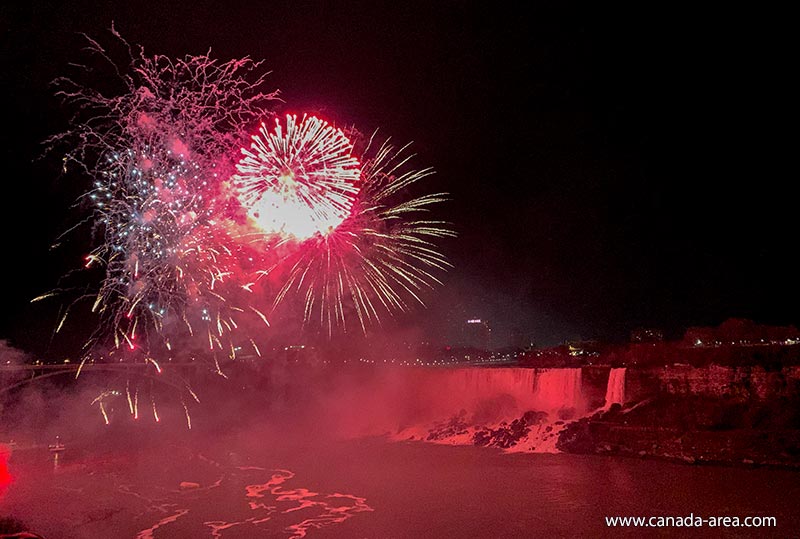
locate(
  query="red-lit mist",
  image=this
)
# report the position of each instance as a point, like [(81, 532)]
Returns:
[(341, 453)]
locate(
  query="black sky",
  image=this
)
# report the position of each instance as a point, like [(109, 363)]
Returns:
[(610, 168)]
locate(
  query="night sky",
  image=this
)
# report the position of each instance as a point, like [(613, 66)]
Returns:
[(608, 169)]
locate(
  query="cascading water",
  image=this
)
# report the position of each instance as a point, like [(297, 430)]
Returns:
[(479, 384), (517, 409), (557, 389), (615, 391), (513, 408), (547, 390)]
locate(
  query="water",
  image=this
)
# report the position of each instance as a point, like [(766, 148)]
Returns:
[(557, 389), (615, 392), (447, 390), (320, 470), (262, 483)]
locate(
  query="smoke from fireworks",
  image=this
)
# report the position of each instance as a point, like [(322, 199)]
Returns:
[(187, 229)]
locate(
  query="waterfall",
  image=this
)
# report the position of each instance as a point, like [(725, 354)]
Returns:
[(615, 391), (532, 389), (491, 391), (483, 383), (556, 389), (519, 409)]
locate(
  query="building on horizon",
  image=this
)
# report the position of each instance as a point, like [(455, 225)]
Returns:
[(477, 334)]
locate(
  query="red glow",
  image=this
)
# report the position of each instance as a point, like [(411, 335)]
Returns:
[(5, 476)]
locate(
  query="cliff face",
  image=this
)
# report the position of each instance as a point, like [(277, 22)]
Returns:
[(744, 383), (699, 414)]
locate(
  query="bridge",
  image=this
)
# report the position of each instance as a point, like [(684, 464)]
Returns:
[(177, 376)]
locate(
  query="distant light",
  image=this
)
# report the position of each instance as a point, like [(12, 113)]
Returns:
[(475, 321)]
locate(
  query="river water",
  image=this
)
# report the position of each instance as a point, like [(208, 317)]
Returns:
[(261, 483)]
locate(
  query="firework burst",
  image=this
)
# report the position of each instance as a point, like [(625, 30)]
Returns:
[(160, 150), (380, 258), (299, 181)]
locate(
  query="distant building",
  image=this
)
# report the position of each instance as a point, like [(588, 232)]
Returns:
[(477, 334), (583, 348), (647, 335)]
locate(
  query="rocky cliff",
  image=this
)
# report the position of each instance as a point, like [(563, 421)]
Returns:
[(715, 414)]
